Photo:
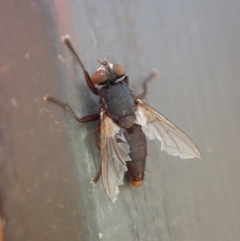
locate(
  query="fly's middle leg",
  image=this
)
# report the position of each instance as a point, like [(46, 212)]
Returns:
[(84, 119)]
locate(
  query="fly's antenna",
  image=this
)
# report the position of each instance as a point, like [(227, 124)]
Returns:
[(106, 57), (100, 62)]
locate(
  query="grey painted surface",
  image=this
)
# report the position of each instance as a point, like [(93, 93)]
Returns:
[(48, 159)]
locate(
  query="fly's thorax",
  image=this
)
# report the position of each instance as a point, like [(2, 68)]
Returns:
[(126, 121), (118, 101)]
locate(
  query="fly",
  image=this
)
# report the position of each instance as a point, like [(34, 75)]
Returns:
[(125, 121)]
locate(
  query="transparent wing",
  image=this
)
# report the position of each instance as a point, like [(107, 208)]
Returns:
[(173, 141), (114, 154)]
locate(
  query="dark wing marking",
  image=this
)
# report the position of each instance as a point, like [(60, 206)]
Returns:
[(113, 156), (173, 141)]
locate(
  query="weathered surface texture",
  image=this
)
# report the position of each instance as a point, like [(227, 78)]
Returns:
[(48, 159)]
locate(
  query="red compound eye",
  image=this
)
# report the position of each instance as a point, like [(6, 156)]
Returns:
[(119, 70), (99, 76)]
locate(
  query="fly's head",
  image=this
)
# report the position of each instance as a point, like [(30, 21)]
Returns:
[(108, 74)]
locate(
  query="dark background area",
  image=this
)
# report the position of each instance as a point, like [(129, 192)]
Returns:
[(48, 159)]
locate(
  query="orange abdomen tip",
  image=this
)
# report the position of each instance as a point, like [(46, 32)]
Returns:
[(136, 183)]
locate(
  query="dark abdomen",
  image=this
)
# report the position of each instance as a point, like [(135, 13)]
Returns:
[(138, 151)]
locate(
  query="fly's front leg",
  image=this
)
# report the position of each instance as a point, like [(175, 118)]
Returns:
[(152, 75), (126, 80), (66, 40), (84, 119)]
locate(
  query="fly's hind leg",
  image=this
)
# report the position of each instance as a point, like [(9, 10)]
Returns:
[(96, 178), (97, 132), (84, 119), (154, 73)]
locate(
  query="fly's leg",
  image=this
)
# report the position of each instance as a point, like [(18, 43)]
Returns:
[(126, 80), (84, 119), (152, 75), (66, 40), (96, 178), (97, 132)]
